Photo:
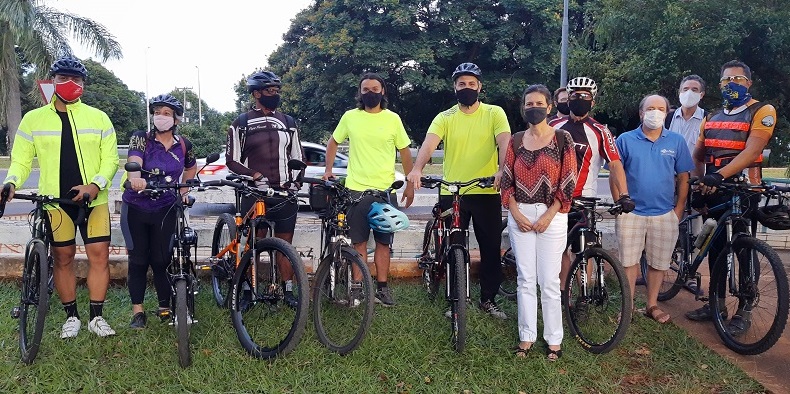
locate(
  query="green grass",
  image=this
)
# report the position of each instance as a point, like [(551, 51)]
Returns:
[(407, 350), (430, 169)]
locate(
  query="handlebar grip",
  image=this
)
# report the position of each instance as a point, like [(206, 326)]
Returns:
[(4, 197), (83, 211), (127, 185), (314, 181)]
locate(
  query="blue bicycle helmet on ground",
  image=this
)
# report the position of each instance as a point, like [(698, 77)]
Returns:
[(386, 219), (68, 65)]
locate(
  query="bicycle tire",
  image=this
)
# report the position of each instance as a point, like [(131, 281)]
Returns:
[(182, 323), (458, 301), (260, 318), (768, 297), (507, 288), (673, 277), (222, 271), (610, 299), (34, 300), (431, 277), (342, 312)]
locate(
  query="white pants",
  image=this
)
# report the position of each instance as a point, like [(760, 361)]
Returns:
[(538, 261)]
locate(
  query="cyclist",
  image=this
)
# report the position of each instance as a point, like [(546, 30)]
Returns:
[(594, 145), (537, 189), (77, 153), (148, 224), (260, 143), (730, 143), (473, 133), (374, 133)]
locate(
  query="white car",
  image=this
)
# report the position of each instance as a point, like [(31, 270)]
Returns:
[(314, 157)]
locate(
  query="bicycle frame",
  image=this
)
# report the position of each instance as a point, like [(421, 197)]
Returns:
[(445, 241)]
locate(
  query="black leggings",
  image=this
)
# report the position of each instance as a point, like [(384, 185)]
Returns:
[(147, 236), (485, 210)]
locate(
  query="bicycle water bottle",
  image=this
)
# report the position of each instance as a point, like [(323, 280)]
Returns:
[(707, 228)]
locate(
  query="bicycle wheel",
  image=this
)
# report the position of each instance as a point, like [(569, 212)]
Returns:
[(431, 276), (222, 270), (673, 277), (509, 283), (756, 291), (34, 301), (342, 307), (599, 313), (182, 323), (265, 324), (458, 300)]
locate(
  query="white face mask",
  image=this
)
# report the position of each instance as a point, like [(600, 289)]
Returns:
[(689, 98), (163, 122), (654, 119)]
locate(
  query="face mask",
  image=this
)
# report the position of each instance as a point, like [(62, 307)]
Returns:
[(371, 99), (270, 102), (580, 107), (735, 95), (534, 115), (68, 91), (689, 98), (654, 119), (466, 96), (163, 123), (562, 108)]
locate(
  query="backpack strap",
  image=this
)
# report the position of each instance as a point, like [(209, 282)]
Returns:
[(242, 130)]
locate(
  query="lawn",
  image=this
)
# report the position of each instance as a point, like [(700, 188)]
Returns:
[(407, 350)]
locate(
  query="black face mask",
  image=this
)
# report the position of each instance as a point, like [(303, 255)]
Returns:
[(534, 115), (562, 108), (270, 102), (466, 96), (580, 107), (371, 99)]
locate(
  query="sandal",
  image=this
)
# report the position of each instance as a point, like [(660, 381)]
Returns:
[(553, 355), (659, 318), (522, 352)]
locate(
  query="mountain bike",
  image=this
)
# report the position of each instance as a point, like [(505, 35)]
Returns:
[(248, 272), (748, 274), (445, 254), (343, 292), (597, 299), (37, 280)]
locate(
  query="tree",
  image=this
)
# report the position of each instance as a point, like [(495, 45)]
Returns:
[(41, 34), (126, 108), (212, 135)]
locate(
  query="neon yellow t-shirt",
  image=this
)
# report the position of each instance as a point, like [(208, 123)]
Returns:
[(373, 139), (470, 149)]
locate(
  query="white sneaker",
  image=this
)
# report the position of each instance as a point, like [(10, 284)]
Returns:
[(100, 327), (70, 328)]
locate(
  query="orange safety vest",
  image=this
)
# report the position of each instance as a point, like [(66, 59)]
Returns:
[(725, 138)]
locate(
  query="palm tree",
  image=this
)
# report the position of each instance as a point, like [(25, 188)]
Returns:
[(38, 34)]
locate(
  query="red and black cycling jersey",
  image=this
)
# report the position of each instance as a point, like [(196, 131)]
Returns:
[(594, 144)]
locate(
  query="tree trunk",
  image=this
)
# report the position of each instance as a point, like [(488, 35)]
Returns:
[(13, 105)]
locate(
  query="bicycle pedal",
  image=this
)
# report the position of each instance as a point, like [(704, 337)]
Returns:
[(203, 267), (702, 298), (15, 312)]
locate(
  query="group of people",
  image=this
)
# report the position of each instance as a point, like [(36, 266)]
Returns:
[(537, 174)]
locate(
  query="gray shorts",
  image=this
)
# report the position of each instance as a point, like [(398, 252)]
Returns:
[(358, 220)]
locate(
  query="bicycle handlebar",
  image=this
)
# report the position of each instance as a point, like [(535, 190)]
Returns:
[(82, 205), (431, 182)]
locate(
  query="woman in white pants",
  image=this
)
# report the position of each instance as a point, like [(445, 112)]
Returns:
[(537, 188)]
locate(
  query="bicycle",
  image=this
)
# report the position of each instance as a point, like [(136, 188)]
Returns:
[(445, 254), (37, 271), (247, 272), (343, 289), (752, 272)]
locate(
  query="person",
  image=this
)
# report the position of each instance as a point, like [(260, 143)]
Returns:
[(657, 163), (148, 224), (261, 141), (687, 121), (474, 133), (77, 153), (374, 134), (730, 145), (594, 145), (561, 103), (537, 189)]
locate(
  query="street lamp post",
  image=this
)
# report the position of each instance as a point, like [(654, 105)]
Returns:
[(147, 96), (200, 104), (564, 47)]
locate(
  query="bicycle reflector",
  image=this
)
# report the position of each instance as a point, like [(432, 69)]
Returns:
[(386, 219)]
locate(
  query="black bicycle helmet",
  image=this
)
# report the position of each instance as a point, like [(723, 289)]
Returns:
[(167, 101), (68, 65), (467, 69), (775, 217), (262, 80)]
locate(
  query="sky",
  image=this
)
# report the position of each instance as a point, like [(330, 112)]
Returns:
[(179, 39)]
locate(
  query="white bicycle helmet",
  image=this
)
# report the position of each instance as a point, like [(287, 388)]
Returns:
[(386, 219), (582, 83)]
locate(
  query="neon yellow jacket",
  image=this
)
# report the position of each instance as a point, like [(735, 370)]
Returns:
[(39, 136)]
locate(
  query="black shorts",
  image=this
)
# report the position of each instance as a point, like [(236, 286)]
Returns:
[(358, 220), (279, 210)]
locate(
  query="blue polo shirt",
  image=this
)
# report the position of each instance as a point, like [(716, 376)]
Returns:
[(651, 167)]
